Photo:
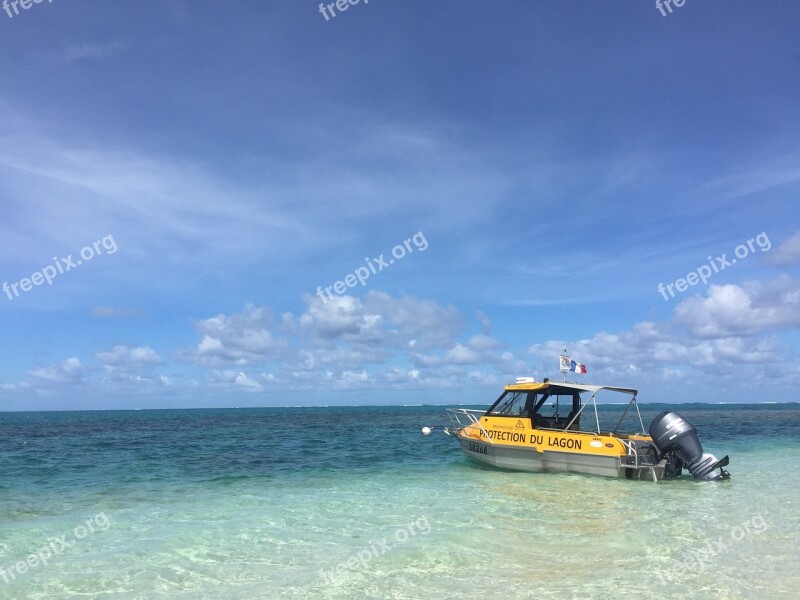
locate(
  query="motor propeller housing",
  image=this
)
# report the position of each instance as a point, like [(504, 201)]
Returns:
[(675, 436)]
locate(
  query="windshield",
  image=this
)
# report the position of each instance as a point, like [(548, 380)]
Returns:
[(510, 404)]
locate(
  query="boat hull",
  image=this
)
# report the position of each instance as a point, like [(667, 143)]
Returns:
[(517, 458)]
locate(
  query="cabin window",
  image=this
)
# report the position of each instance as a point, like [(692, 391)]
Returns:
[(555, 411), (511, 404), (560, 405)]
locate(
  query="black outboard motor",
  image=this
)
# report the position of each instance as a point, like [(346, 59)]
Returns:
[(677, 441)]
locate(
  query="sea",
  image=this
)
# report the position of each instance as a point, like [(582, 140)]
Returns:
[(355, 502)]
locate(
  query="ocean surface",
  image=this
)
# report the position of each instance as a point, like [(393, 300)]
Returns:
[(357, 503)]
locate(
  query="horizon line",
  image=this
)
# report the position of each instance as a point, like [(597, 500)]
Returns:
[(771, 402)]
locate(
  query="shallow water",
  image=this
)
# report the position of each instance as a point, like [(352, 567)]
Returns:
[(266, 503)]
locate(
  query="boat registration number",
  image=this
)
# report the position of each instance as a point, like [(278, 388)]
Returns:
[(477, 448)]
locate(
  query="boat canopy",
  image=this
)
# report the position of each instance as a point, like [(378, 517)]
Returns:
[(554, 386), (527, 397)]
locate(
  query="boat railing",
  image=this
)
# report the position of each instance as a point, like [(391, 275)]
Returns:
[(632, 460), (467, 417), (593, 401), (624, 414)]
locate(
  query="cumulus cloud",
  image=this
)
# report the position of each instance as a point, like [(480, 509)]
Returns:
[(380, 320), (426, 322), (406, 342), (462, 355), (395, 375), (739, 350), (347, 332), (354, 378), (478, 349), (343, 318), (235, 380), (71, 371), (741, 310), (239, 339), (483, 342), (722, 333), (788, 253), (347, 342), (669, 352), (128, 357), (647, 345), (402, 342)]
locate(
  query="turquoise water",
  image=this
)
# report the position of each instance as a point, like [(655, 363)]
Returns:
[(267, 503)]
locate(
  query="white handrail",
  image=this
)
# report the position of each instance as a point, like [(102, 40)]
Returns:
[(470, 414)]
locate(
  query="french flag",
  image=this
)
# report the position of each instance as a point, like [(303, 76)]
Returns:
[(577, 368)]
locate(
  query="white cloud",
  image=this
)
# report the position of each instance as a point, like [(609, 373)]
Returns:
[(344, 317), (462, 355), (740, 350), (788, 253), (426, 322), (650, 348), (380, 320), (239, 339), (426, 360), (235, 380), (486, 379), (128, 357), (721, 334), (350, 357), (396, 375), (411, 343), (348, 342), (483, 342), (731, 310), (71, 371), (354, 378), (478, 349)]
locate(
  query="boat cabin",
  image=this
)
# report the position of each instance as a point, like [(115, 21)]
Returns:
[(547, 405)]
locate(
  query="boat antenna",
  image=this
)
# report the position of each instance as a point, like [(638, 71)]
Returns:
[(564, 371)]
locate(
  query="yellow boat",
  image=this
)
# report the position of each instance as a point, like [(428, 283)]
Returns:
[(544, 426)]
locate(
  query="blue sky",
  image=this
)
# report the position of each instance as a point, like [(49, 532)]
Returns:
[(560, 160)]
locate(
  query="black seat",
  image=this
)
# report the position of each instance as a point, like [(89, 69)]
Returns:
[(574, 426)]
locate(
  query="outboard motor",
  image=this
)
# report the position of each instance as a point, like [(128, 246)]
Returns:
[(678, 443)]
